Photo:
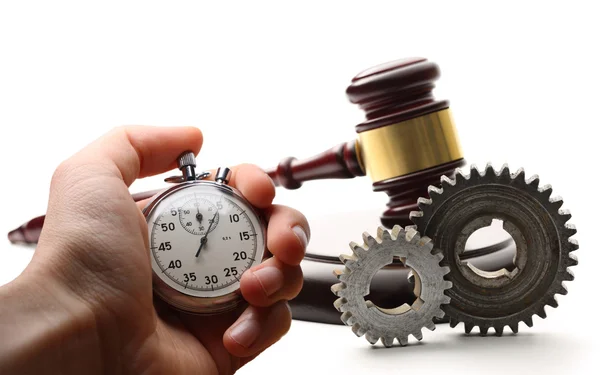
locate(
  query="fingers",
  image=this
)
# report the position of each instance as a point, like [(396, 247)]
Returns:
[(254, 184), (271, 281), (257, 329), (133, 152), (288, 234)]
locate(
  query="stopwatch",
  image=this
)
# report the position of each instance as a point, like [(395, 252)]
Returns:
[(203, 235)]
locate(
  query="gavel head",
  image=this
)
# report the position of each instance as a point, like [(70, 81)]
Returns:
[(408, 139)]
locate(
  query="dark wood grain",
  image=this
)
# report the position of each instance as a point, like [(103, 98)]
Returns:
[(395, 91), (338, 162)]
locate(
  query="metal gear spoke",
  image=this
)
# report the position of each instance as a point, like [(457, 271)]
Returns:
[(538, 226), (377, 323)]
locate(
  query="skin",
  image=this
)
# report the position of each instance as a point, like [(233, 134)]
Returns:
[(85, 305)]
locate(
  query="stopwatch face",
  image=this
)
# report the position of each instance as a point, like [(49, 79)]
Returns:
[(203, 237)]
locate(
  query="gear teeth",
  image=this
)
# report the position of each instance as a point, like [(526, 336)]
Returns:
[(433, 191), (423, 203), (541, 313), (469, 327), (569, 276), (514, 327), (574, 246), (383, 234), (504, 172), (358, 250), (475, 174), (440, 313), (453, 322), (570, 229), (533, 181), (552, 302), (572, 260), (371, 338), (430, 326), (341, 275), (446, 182), (528, 321), (460, 176), (347, 318), (565, 213), (348, 261), (397, 231), (556, 203), (545, 192), (403, 341), (388, 342), (426, 243), (416, 217), (369, 240), (562, 290), (418, 335), (446, 301), (489, 170), (519, 175), (499, 330), (425, 208), (358, 330), (483, 330), (339, 304), (338, 288), (447, 284), (412, 236)]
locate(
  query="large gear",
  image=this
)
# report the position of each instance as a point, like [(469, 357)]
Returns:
[(388, 324), (538, 226)]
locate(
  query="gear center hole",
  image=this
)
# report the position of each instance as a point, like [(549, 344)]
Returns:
[(405, 295), (489, 237)]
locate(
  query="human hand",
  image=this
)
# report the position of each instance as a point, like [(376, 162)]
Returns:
[(85, 302)]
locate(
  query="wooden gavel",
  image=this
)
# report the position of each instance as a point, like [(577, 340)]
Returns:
[(407, 142)]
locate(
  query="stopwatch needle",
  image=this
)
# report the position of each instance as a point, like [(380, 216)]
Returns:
[(205, 238)]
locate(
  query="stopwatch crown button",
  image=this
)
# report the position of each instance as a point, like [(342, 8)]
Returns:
[(222, 174), (187, 159)]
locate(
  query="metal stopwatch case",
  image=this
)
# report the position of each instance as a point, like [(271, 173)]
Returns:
[(203, 235)]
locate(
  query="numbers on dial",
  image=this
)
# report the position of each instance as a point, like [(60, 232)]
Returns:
[(232, 271), (231, 243), (199, 215), (240, 256)]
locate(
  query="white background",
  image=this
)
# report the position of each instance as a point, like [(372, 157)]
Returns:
[(265, 80)]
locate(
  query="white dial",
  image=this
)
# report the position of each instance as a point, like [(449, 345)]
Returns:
[(203, 237)]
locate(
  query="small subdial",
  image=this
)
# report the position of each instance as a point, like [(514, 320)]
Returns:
[(199, 215)]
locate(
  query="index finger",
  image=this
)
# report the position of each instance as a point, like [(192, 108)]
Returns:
[(254, 184), (133, 152)]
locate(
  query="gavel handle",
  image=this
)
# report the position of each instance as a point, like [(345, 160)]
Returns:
[(339, 162)]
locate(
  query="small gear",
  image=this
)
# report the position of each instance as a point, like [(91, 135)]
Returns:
[(538, 227), (398, 323)]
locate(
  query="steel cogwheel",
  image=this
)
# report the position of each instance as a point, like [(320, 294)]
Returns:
[(538, 226), (388, 324)]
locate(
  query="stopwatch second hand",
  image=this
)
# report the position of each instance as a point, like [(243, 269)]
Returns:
[(204, 239)]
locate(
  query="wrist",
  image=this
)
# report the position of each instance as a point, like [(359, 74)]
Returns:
[(44, 328)]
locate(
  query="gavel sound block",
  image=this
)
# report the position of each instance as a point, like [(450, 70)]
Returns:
[(406, 143)]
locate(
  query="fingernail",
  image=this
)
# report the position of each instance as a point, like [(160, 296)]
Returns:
[(301, 234), (245, 332), (270, 279)]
